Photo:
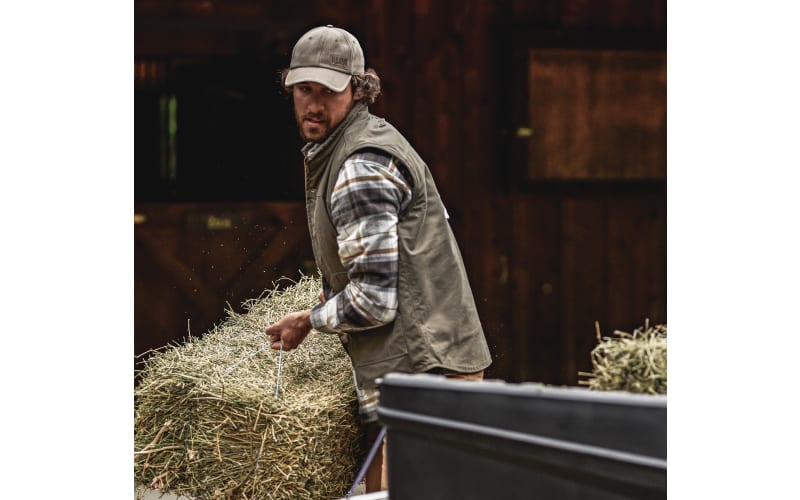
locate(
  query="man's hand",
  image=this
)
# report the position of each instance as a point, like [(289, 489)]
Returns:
[(290, 330)]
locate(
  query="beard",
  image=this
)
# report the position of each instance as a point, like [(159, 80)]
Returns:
[(313, 127)]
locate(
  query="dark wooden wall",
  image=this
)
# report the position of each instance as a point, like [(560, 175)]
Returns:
[(195, 260), (544, 124)]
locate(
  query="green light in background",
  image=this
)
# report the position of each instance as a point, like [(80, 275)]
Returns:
[(172, 130), (168, 105)]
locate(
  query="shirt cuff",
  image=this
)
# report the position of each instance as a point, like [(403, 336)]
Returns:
[(319, 315)]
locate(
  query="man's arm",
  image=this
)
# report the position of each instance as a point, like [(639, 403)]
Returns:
[(367, 199), (370, 193)]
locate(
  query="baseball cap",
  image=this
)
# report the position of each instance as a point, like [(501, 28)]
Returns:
[(326, 55)]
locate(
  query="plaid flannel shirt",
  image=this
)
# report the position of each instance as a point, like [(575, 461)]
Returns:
[(370, 193)]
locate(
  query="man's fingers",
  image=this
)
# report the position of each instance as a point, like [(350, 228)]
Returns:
[(274, 335), (286, 346)]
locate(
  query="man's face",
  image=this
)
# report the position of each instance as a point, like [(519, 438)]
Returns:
[(318, 109)]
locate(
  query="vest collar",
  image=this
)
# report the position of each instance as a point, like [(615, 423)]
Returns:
[(317, 154)]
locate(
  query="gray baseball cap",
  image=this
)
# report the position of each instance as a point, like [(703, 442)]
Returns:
[(326, 55)]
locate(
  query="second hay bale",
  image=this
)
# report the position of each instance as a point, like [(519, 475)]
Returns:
[(633, 362)]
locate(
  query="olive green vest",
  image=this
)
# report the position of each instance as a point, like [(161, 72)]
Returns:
[(437, 324)]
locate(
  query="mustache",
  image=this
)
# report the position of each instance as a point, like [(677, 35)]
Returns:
[(314, 116)]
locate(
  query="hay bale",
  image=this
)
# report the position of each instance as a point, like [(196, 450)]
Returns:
[(634, 362), (207, 423)]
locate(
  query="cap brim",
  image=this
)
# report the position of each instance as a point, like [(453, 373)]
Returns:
[(334, 80)]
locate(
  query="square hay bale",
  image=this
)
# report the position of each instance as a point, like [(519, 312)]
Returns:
[(208, 424)]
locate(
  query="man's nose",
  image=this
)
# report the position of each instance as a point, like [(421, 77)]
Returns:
[(315, 104)]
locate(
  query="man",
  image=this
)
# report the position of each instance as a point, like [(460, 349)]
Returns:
[(394, 285)]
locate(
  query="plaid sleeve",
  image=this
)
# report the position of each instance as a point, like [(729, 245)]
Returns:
[(369, 195)]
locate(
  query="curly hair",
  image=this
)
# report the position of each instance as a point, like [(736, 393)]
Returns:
[(367, 86)]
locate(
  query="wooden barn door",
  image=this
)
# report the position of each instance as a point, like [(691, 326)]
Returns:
[(589, 198), (195, 261)]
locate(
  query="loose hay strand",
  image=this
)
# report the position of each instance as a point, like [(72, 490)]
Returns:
[(203, 431), (633, 362)]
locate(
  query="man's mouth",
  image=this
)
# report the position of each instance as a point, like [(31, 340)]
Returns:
[(313, 127)]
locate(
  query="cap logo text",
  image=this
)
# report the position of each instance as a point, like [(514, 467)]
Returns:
[(339, 60)]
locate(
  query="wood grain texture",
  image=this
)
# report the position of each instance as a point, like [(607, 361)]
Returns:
[(555, 234), (597, 115)]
